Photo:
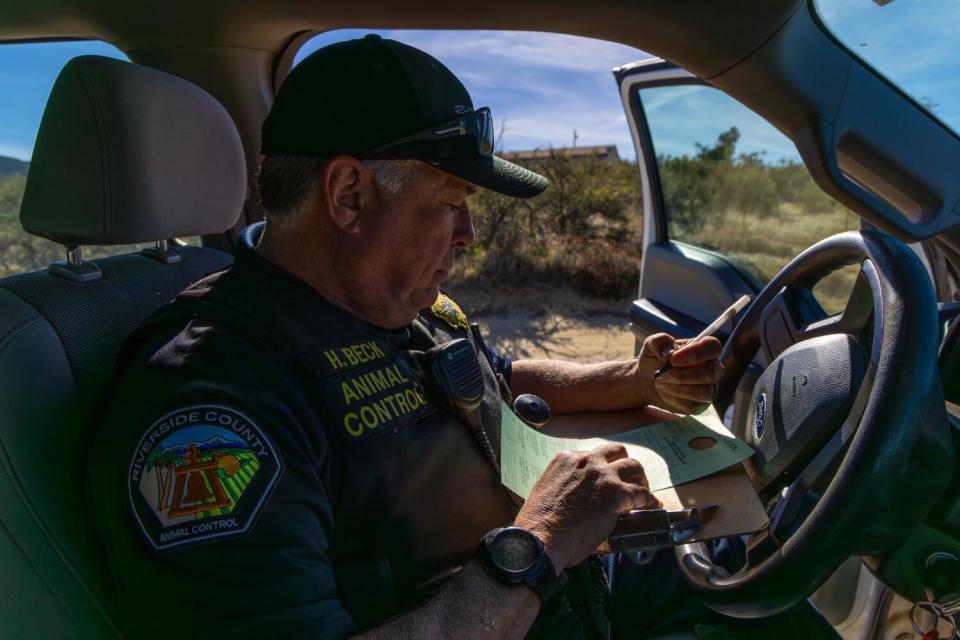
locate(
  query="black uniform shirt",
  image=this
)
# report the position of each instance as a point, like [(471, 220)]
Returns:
[(270, 466)]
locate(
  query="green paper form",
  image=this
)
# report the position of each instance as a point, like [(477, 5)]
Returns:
[(664, 449)]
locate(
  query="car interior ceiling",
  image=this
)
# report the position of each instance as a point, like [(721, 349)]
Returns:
[(239, 51)]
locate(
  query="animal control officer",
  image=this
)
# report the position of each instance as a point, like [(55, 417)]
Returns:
[(272, 463)]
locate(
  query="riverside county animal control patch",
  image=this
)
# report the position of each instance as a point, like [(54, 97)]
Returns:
[(450, 312), (200, 473)]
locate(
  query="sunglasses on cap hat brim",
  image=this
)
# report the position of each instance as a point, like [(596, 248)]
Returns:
[(477, 124)]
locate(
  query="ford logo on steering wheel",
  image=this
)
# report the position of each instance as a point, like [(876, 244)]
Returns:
[(759, 415)]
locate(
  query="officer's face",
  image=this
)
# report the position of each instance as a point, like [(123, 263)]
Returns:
[(417, 233)]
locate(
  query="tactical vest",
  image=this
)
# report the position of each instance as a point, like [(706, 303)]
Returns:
[(412, 491)]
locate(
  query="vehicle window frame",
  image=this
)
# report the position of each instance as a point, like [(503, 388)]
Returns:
[(647, 149), (283, 64), (651, 166)]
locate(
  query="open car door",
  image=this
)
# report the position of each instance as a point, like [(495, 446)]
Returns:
[(727, 202)]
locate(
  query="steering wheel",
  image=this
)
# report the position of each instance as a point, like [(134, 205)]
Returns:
[(848, 422)]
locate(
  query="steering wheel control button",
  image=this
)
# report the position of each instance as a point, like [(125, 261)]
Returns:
[(799, 401), (778, 331)]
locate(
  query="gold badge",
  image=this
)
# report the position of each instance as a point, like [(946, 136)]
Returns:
[(450, 312)]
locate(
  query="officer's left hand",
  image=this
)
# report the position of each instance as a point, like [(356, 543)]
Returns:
[(691, 385)]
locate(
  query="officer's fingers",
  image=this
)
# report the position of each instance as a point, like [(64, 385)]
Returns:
[(682, 405), (641, 498), (704, 350), (610, 451), (630, 470), (691, 392), (659, 346), (705, 373)]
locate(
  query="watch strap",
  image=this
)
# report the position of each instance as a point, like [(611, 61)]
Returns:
[(545, 581)]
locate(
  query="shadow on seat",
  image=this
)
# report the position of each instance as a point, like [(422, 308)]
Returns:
[(125, 154)]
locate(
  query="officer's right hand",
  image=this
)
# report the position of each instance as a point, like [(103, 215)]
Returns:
[(575, 504)]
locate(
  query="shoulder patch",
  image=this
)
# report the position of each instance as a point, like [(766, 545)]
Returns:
[(200, 473), (450, 312)]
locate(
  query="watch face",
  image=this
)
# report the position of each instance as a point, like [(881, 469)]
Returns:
[(514, 550)]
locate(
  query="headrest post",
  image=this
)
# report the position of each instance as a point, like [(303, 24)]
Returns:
[(74, 268), (74, 256), (163, 252)]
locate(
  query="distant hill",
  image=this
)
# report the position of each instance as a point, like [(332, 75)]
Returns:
[(12, 167)]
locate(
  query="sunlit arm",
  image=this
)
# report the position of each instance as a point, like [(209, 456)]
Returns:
[(627, 384), (568, 387)]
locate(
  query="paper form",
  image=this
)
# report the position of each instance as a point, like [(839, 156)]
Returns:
[(671, 452)]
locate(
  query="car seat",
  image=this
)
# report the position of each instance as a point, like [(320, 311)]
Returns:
[(125, 154)]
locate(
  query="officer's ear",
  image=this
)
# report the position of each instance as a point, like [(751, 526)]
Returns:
[(346, 186)]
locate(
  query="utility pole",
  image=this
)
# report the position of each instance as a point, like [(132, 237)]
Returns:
[(499, 138), (574, 138)]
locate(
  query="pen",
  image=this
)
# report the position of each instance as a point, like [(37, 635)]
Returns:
[(726, 316)]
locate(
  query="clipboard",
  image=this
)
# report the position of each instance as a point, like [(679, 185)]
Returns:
[(739, 510)]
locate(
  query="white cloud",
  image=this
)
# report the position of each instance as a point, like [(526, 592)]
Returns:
[(521, 48), (654, 101), (554, 128)]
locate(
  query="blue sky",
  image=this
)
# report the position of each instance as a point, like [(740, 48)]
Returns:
[(27, 72), (912, 42), (200, 434), (546, 85), (680, 116)]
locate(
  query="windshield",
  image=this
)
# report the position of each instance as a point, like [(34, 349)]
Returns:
[(911, 42)]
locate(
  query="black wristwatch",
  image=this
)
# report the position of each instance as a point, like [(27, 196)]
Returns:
[(516, 556)]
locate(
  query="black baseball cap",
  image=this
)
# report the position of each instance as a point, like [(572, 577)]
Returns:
[(358, 96)]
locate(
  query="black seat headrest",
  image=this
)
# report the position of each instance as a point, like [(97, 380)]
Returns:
[(128, 154)]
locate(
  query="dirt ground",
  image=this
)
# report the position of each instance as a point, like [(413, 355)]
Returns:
[(547, 322)]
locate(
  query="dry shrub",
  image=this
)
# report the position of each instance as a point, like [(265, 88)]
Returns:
[(583, 231), (597, 267)]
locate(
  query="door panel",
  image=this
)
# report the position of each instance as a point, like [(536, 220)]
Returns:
[(688, 285)]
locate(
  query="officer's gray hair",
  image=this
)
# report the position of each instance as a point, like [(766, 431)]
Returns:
[(285, 182), (392, 175)]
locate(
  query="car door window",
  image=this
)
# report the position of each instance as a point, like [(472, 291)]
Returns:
[(733, 184), (27, 74)]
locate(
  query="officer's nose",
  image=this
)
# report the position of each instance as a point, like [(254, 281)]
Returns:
[(463, 232)]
